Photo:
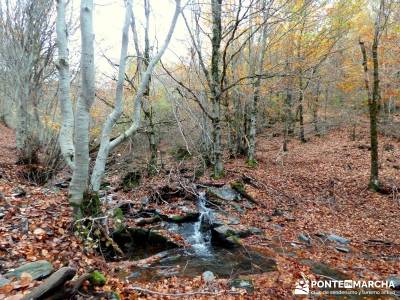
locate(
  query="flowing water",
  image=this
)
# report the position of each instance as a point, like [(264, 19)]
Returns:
[(197, 234), (202, 255)]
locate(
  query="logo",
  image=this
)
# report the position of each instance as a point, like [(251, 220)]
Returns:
[(302, 287)]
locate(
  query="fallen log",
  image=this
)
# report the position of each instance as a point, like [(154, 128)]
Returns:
[(51, 284)]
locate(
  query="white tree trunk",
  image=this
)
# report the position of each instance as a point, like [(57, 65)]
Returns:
[(67, 125), (145, 79), (106, 146), (85, 101), (112, 118)]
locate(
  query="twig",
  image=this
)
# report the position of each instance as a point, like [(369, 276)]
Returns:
[(137, 288)]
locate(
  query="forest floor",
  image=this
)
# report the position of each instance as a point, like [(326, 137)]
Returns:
[(317, 187)]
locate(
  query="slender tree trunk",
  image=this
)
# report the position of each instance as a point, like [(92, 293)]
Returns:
[(82, 121), (288, 117), (215, 88), (100, 164), (25, 146), (316, 108), (373, 111), (251, 160), (148, 108), (300, 110), (67, 115)]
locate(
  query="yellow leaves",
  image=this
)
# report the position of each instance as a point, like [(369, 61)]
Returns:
[(50, 123)]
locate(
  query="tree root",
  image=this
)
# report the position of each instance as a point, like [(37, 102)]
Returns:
[(206, 293)]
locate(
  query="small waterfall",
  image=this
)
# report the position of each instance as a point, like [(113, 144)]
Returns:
[(197, 234), (201, 238)]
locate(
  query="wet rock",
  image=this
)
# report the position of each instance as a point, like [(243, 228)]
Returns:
[(4, 281), (237, 207), (189, 217), (224, 193), (146, 221), (145, 201), (246, 284), (302, 237), (221, 219), (343, 249), (337, 239), (18, 192), (238, 230), (241, 189), (38, 270), (233, 221), (225, 237), (229, 236), (138, 243), (208, 276)]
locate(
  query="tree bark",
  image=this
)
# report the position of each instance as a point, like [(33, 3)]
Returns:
[(253, 105), (82, 122), (372, 106), (67, 124), (99, 167), (216, 8)]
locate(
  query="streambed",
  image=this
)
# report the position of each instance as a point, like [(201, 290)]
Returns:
[(204, 252)]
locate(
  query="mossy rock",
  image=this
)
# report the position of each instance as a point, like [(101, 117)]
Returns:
[(97, 278), (238, 186), (38, 270), (224, 193), (138, 242), (189, 217), (246, 284)]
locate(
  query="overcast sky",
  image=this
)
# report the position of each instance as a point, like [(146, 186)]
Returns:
[(108, 22)]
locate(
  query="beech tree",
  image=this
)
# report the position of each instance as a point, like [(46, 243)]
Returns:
[(77, 154), (27, 48), (373, 92)]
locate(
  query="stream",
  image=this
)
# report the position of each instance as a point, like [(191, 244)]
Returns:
[(203, 255)]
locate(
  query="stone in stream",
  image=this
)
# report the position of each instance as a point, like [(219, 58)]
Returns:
[(228, 236), (37, 269), (208, 276), (224, 219), (224, 193), (138, 242), (246, 284), (188, 217)]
